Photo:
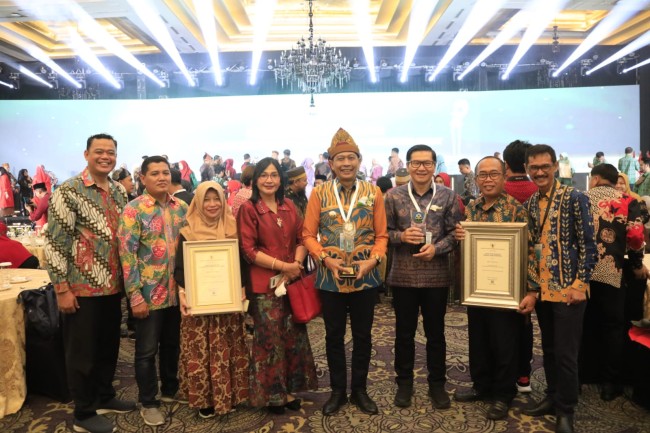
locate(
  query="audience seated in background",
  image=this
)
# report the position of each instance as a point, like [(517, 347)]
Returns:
[(14, 252)]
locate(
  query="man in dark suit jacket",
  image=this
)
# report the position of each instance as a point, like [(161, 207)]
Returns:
[(177, 190)]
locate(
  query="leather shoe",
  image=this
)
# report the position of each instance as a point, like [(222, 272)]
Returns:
[(544, 407), (337, 399), (364, 402), (498, 410), (469, 395), (439, 397), (564, 424), (609, 391), (403, 395)]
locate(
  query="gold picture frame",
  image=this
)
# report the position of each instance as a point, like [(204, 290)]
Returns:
[(212, 276), (494, 259)]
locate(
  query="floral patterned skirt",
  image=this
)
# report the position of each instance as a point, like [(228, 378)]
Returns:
[(214, 362), (281, 360)]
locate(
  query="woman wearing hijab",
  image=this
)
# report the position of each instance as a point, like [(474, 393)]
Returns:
[(444, 179), (214, 362), (230, 170), (187, 174), (270, 234)]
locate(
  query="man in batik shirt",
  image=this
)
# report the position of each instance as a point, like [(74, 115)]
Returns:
[(564, 254), (420, 273), (81, 248), (494, 332), (148, 234), (345, 228), (619, 231)]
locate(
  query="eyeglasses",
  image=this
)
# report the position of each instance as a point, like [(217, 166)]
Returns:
[(274, 176), (545, 168), (418, 164), (492, 175)]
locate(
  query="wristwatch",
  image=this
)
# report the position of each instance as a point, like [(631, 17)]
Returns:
[(322, 256)]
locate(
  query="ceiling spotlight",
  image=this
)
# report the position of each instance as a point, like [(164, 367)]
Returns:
[(42, 70), (355, 63), (383, 63)]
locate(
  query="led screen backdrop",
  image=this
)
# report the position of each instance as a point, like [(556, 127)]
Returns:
[(579, 121)]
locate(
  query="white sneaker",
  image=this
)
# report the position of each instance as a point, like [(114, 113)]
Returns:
[(152, 416)]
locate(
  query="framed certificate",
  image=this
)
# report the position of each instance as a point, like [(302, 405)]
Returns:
[(212, 278), (494, 259)]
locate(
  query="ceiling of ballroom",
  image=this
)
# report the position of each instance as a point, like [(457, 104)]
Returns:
[(46, 24)]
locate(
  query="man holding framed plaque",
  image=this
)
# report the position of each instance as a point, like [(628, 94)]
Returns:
[(421, 217), (494, 332), (564, 254), (349, 216)]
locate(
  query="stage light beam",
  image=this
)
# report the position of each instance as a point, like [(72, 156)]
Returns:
[(639, 42), (518, 22), (543, 12), (618, 15), (361, 12), (263, 16), (481, 13), (83, 50), (147, 12), (418, 19)]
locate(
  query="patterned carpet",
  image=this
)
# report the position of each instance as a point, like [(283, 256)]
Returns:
[(42, 415)]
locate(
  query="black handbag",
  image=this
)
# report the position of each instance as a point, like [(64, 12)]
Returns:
[(41, 311)]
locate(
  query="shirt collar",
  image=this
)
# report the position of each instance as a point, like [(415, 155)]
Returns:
[(150, 201), (548, 194), (262, 208), (480, 202), (88, 180)]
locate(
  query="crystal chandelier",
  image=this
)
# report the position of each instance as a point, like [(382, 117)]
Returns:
[(312, 66)]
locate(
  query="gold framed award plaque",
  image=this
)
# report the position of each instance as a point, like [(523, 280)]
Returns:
[(212, 276), (494, 259)]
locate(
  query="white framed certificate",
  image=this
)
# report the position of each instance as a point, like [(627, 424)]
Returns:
[(494, 259), (212, 276)]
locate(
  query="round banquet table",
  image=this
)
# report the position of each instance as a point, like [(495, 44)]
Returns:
[(13, 387)]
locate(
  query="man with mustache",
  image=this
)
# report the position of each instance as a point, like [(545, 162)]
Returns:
[(148, 234), (564, 254)]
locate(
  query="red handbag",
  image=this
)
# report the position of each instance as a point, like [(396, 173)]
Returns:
[(304, 298)]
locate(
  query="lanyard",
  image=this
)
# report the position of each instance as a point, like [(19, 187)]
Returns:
[(345, 217), (548, 208), (415, 203)]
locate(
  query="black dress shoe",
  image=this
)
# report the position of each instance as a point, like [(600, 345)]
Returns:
[(544, 407), (364, 402), (337, 399), (609, 391), (439, 397), (294, 404), (277, 410), (564, 424), (469, 395), (403, 396), (498, 410)]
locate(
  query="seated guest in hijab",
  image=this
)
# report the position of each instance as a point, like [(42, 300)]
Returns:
[(14, 252), (214, 355)]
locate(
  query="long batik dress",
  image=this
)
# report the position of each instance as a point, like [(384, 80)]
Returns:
[(281, 359), (213, 367)]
